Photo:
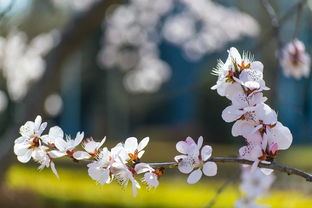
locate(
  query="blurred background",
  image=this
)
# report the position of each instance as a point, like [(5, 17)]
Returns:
[(143, 68)]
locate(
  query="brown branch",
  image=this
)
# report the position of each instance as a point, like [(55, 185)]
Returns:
[(273, 166)]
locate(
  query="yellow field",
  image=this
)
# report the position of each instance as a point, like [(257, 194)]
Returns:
[(76, 189)]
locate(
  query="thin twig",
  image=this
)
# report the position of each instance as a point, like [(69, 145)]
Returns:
[(219, 191), (273, 166), (274, 22), (298, 18), (7, 9), (268, 34)]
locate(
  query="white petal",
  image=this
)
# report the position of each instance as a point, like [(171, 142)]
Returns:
[(186, 166), (131, 144), (60, 144), (280, 135), (181, 147), (38, 122), (79, 138), (56, 154), (81, 155), (234, 54), (54, 169), (206, 152), (42, 128), (142, 168), (143, 143), (256, 65), (179, 157), (26, 157), (56, 132), (200, 142), (21, 148), (140, 154), (210, 169), (266, 171), (194, 177), (231, 113)]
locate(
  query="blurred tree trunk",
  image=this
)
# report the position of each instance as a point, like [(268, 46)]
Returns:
[(74, 34)]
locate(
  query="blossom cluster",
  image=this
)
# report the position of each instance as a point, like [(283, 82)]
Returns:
[(254, 186), (240, 79), (121, 163)]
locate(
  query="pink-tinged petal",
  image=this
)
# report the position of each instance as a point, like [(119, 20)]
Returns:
[(81, 155), (52, 165), (131, 144), (231, 113), (210, 169), (181, 147), (25, 157), (186, 165), (206, 152), (244, 128), (143, 143), (193, 151), (194, 177), (280, 135), (190, 141), (200, 142)]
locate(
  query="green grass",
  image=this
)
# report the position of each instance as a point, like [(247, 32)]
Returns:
[(76, 189)]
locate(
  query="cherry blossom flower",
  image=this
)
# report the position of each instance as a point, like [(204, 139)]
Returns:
[(241, 105), (67, 146), (151, 175), (260, 118), (133, 149), (295, 61), (92, 149), (255, 183), (29, 142), (55, 133), (123, 174), (43, 156), (99, 170), (194, 158)]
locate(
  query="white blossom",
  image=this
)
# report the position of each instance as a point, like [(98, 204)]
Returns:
[(295, 61), (92, 149), (195, 159)]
